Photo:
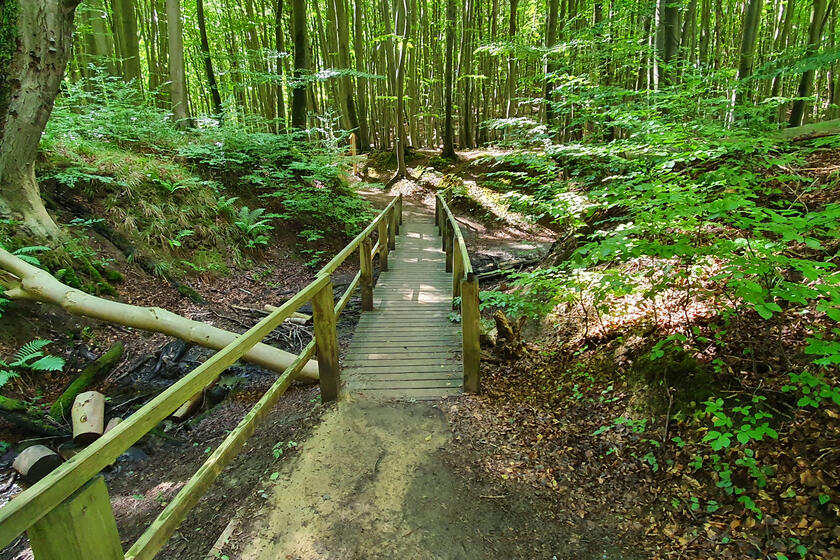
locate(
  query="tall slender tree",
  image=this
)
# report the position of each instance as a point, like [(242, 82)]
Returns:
[(448, 129), (215, 97), (301, 73)]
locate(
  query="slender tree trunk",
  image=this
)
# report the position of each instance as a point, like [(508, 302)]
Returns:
[(125, 19), (448, 129), (280, 45), (31, 69), (177, 73), (208, 61), (550, 41), (301, 73), (511, 62), (752, 19), (402, 21), (806, 83), (361, 82)]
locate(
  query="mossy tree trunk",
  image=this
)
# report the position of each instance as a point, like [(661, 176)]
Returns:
[(37, 35)]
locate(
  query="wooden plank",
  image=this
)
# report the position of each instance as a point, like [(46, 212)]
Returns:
[(454, 368), (409, 376), (326, 342), (153, 539), (450, 342), (420, 354), (35, 502), (412, 394), (406, 384), (404, 362), (80, 528)]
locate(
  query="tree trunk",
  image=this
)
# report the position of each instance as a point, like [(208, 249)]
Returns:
[(511, 62), (361, 82), (177, 73), (301, 74), (125, 23), (550, 41), (31, 70), (448, 129), (22, 281), (806, 83), (752, 18), (208, 61), (402, 20)]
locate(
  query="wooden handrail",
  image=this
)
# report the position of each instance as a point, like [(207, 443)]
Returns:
[(342, 255), (54, 494), (465, 287)]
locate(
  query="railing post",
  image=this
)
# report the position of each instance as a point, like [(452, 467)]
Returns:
[(326, 342), (470, 324), (448, 247), (392, 229), (444, 228), (456, 266), (399, 204), (383, 244), (437, 214), (366, 279), (80, 528)]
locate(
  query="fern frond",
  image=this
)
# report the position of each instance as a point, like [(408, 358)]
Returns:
[(29, 259), (30, 348), (30, 250), (6, 376), (48, 363)]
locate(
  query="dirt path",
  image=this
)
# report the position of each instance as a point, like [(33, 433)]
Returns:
[(375, 480)]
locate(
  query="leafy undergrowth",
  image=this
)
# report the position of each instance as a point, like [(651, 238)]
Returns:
[(746, 472), (185, 203)]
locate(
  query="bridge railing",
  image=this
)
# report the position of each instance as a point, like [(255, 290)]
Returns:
[(465, 287), (67, 514)]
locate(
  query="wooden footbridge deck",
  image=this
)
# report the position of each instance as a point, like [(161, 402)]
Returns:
[(405, 346)]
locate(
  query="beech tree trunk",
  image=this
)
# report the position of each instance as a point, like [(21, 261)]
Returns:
[(301, 74), (23, 281), (448, 129), (806, 83), (31, 70), (208, 61), (177, 73)]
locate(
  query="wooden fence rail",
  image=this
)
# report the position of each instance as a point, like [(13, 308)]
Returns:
[(465, 286), (67, 514)]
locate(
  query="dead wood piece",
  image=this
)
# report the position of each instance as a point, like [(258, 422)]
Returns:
[(36, 462), (89, 376), (24, 281), (297, 318), (509, 344), (88, 417)]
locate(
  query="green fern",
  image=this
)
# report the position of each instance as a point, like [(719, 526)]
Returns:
[(30, 357)]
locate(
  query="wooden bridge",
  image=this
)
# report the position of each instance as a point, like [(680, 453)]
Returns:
[(405, 346)]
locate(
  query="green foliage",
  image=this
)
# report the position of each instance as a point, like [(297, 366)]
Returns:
[(29, 357)]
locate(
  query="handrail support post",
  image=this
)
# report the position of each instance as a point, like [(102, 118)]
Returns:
[(470, 332), (366, 279), (326, 342), (80, 528), (392, 229), (383, 244), (455, 264)]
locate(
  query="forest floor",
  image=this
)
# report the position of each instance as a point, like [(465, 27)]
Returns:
[(515, 472)]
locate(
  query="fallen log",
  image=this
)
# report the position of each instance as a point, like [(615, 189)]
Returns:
[(23, 281), (89, 376)]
